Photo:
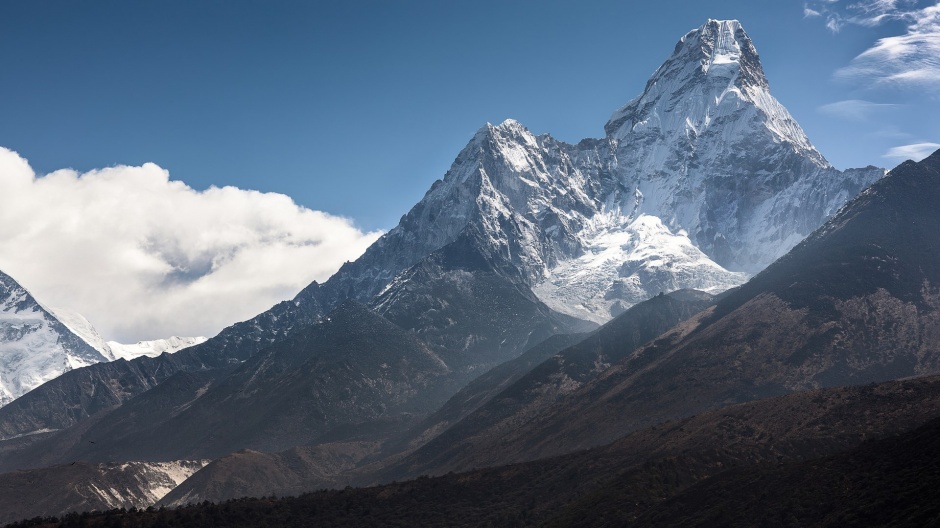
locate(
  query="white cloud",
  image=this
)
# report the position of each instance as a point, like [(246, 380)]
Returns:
[(916, 151), (145, 257), (853, 109), (810, 13), (834, 23)]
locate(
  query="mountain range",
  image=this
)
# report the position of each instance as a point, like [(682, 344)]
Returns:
[(620, 304), (38, 343)]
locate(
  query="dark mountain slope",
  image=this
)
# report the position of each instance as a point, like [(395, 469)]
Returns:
[(123, 432), (468, 302), (277, 476), (539, 389), (300, 469), (264, 474), (482, 389), (254, 474), (80, 393), (605, 486), (352, 375)]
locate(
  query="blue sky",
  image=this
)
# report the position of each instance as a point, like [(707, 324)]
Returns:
[(354, 108)]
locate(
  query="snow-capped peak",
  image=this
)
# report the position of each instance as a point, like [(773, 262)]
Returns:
[(35, 346)]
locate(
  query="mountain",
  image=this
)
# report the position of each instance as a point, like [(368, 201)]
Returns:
[(83, 328), (35, 346), (39, 344), (112, 350), (854, 303), (350, 376), (249, 473), (112, 433), (467, 301), (710, 151), (573, 358), (254, 474), (699, 182)]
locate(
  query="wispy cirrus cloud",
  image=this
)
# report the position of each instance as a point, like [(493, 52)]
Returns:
[(854, 109), (915, 151), (909, 60), (143, 257)]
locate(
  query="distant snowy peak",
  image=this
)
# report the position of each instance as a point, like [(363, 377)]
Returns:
[(35, 346), (153, 348), (113, 350)]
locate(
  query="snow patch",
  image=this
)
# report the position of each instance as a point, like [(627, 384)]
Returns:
[(153, 348)]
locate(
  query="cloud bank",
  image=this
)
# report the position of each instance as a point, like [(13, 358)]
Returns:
[(144, 257)]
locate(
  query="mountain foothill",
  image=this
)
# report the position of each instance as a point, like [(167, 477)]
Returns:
[(694, 320)]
